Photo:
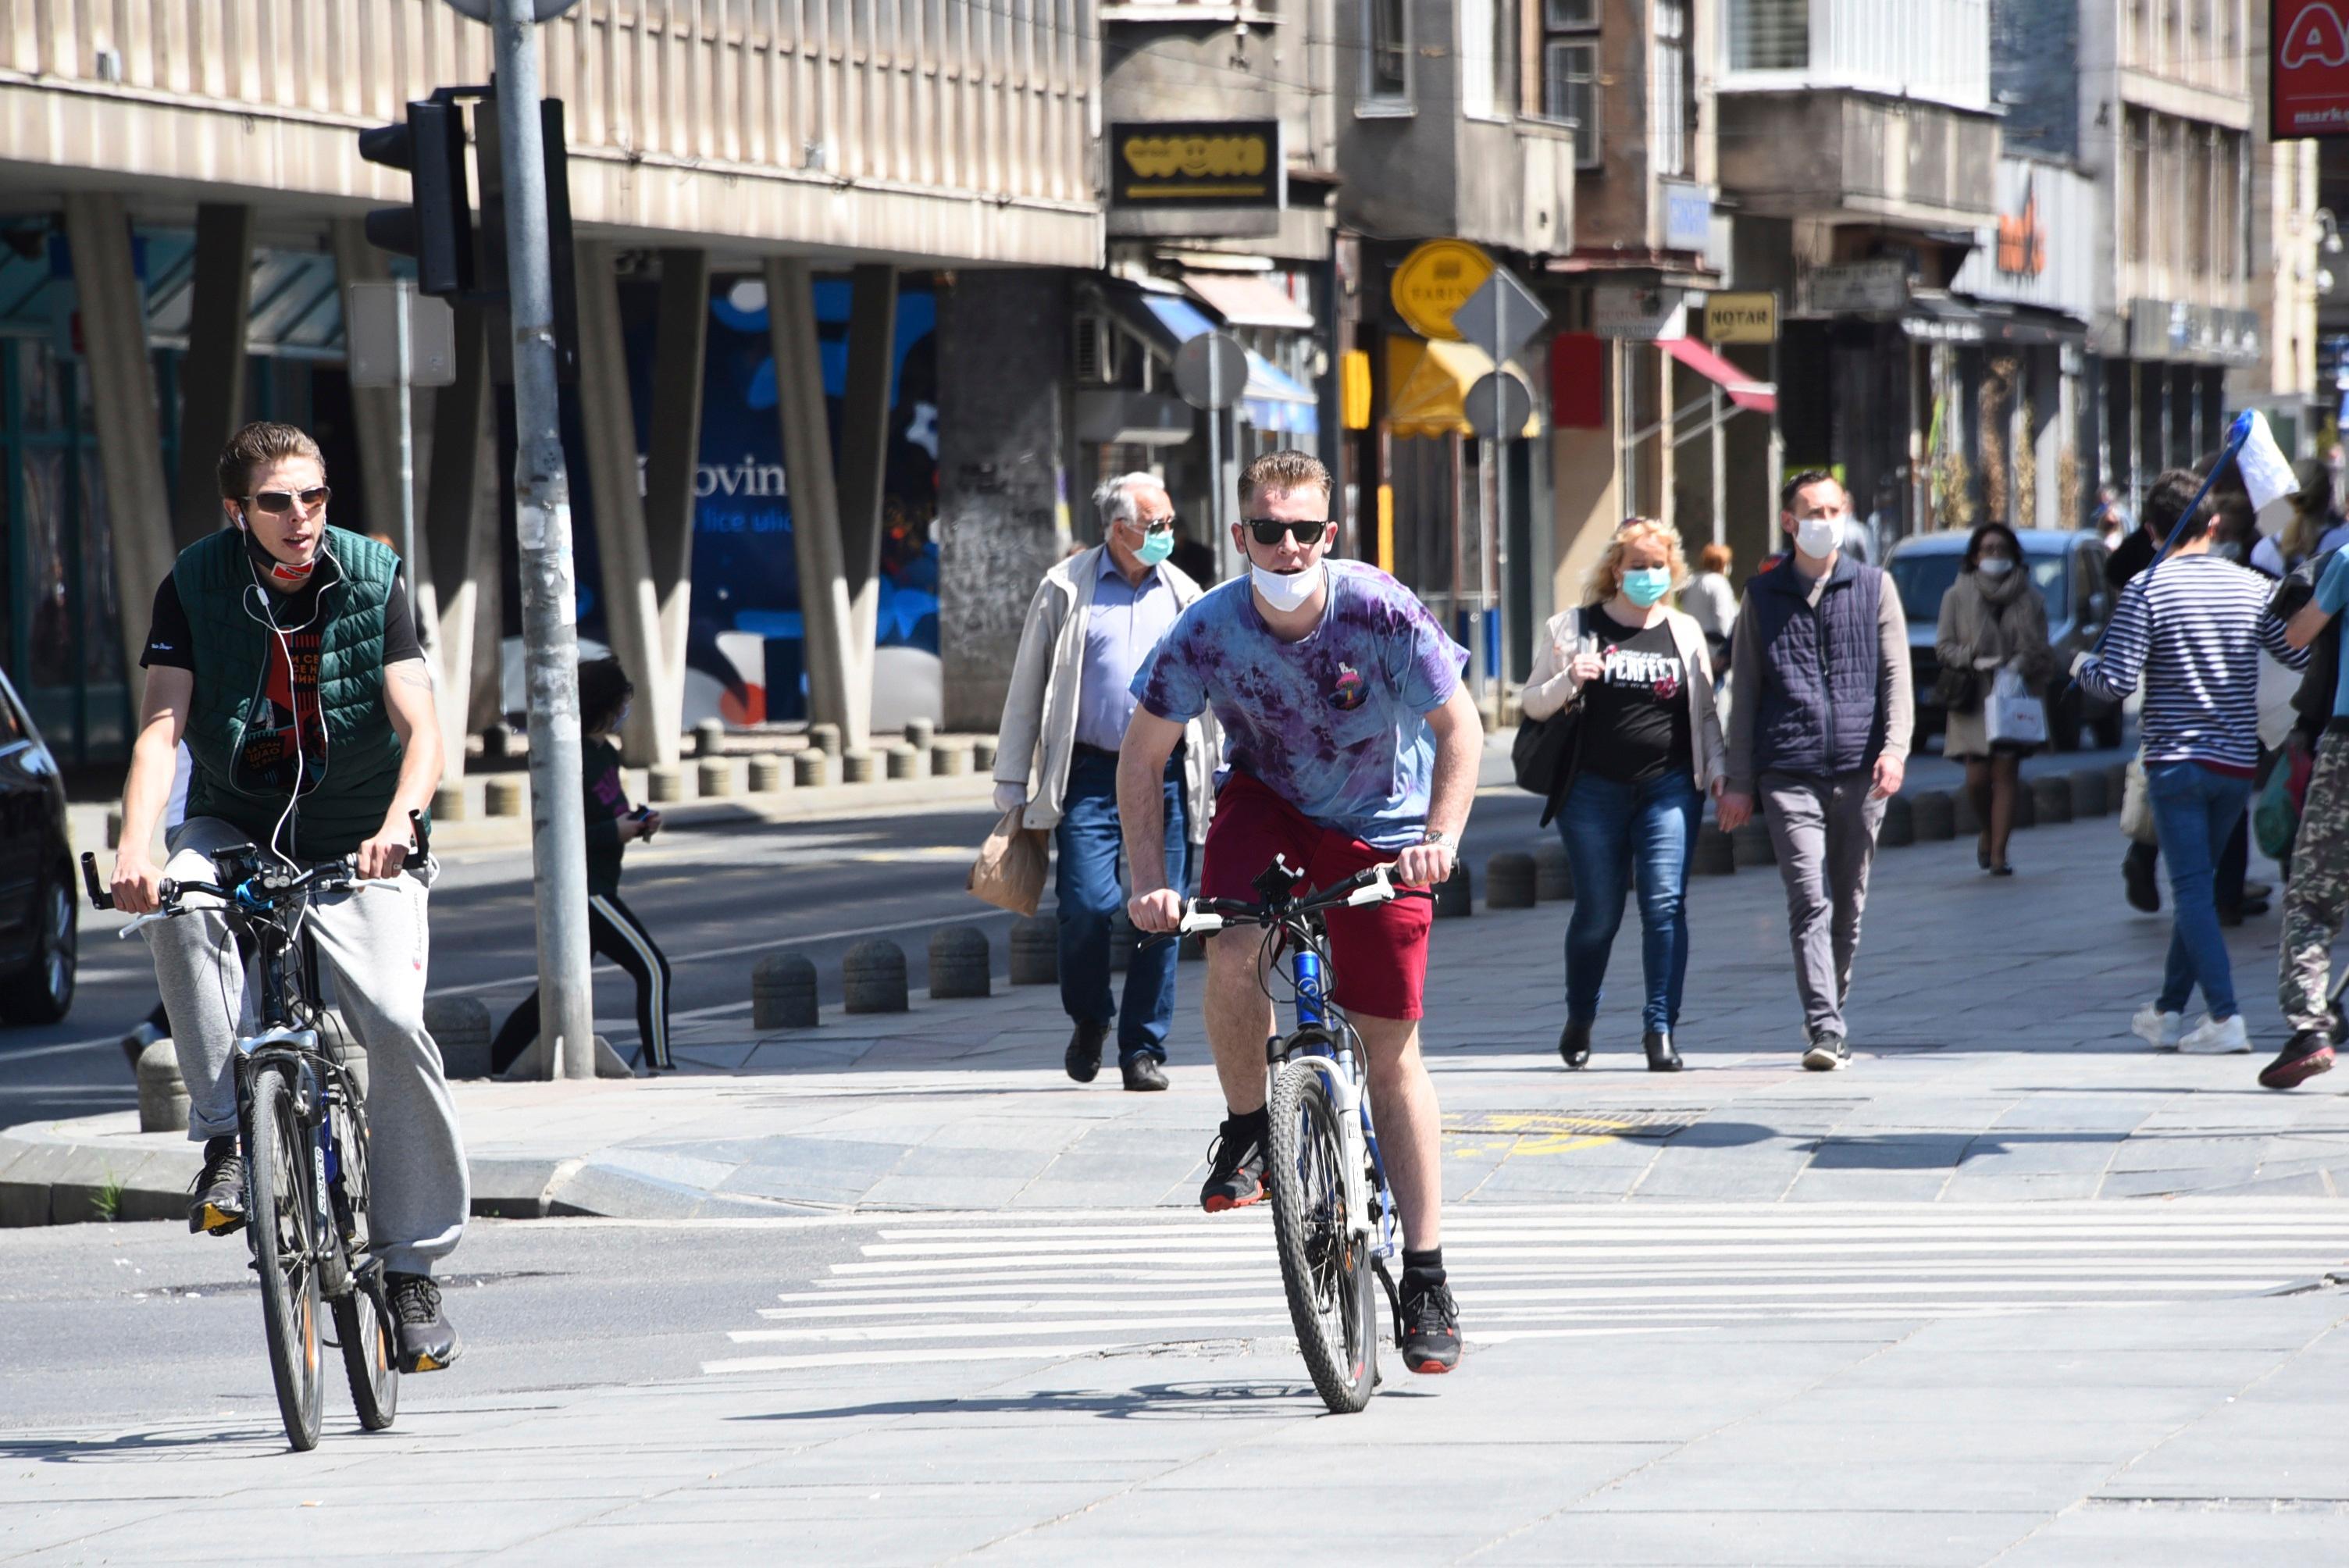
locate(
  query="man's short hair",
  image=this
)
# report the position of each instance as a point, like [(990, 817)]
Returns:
[(2171, 494), (1797, 483), (263, 442), (1113, 497), (1283, 472)]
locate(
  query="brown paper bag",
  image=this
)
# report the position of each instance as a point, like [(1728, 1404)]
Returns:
[(1010, 870)]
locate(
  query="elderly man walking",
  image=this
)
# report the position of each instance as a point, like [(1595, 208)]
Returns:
[(1820, 716), (1093, 623)]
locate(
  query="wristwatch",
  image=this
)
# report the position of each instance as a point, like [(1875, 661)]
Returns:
[(1433, 840)]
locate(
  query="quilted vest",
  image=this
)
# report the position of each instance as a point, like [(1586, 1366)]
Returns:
[(1819, 715), (231, 647)]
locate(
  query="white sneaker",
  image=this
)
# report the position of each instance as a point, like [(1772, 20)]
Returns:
[(2211, 1039), (2157, 1028)]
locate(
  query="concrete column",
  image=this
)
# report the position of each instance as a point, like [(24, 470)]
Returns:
[(608, 422), (113, 310), (863, 463), (212, 379), (1003, 425), (374, 416), (679, 349), (825, 617), (459, 539)]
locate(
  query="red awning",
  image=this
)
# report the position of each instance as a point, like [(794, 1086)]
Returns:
[(1743, 389)]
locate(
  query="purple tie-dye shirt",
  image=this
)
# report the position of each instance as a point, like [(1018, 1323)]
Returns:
[(1335, 725)]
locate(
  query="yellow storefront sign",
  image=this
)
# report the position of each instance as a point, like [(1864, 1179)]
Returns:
[(1741, 318), (1436, 280)]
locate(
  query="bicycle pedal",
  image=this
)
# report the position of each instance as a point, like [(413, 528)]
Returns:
[(213, 1222)]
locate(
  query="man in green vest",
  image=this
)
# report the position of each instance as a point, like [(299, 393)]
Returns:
[(284, 652)]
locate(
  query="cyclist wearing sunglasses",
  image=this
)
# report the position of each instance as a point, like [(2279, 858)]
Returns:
[(284, 653), (1353, 744)]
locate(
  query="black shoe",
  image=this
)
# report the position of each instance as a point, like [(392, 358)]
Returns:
[(217, 1206), (1431, 1326), (1235, 1165), (1662, 1057), (2137, 876), (1573, 1043), (1144, 1073), (1083, 1057), (2236, 914), (2258, 889), (1829, 1051), (2307, 1054), (2001, 869), (1981, 851), (426, 1343)]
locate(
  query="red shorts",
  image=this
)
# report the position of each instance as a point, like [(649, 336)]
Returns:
[(1378, 951)]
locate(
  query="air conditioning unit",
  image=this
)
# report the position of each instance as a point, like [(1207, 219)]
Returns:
[(1100, 347)]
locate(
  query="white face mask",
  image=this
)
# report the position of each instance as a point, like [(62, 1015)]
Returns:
[(1816, 536), (1994, 566), (1287, 590)]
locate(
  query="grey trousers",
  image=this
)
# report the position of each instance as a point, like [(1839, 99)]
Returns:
[(376, 943), (1824, 830)]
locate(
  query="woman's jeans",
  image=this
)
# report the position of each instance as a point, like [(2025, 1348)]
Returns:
[(1615, 834), (2194, 809)]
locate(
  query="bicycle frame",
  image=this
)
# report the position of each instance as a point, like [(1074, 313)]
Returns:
[(1330, 1048)]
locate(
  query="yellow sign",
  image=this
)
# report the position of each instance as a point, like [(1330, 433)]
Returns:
[(1354, 390), (1741, 318), (1436, 280)]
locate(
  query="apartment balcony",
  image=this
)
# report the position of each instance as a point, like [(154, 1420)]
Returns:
[(1849, 156), (1507, 183), (945, 130)]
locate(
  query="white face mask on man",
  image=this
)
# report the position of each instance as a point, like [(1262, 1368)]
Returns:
[(1286, 591), (1817, 537)]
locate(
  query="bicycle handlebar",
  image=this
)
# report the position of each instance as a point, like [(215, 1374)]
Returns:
[(1373, 884), (168, 892)]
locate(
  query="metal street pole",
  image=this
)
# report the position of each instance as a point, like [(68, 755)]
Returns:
[(404, 373), (543, 526)]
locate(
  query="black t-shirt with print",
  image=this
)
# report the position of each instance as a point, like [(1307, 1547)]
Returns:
[(1635, 717)]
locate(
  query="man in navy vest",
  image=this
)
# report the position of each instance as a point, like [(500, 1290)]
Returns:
[(1818, 728)]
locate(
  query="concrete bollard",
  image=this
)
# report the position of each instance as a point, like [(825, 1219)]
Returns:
[(1553, 872), (1899, 823), (920, 732), (460, 1026), (810, 769), (949, 759), (982, 754), (1035, 950), (2089, 795), (504, 796), (663, 784), (709, 738), (960, 964), (1751, 846), (2026, 806), (448, 803), (1509, 880), (2051, 798), (714, 776), (1715, 856), (906, 761), (497, 743), (1455, 897), (1964, 820), (858, 768), (1935, 816), (1122, 940), (162, 1097), (873, 976), (783, 992), (767, 773), (824, 738)]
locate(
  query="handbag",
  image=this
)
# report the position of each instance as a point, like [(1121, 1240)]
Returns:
[(1542, 754), (2013, 715), (2275, 813), (1959, 687), (2136, 805), (1010, 870)]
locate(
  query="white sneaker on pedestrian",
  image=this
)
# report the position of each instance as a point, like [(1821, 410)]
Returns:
[(2212, 1038), (2157, 1028)]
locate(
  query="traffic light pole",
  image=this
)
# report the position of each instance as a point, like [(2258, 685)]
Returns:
[(542, 525)]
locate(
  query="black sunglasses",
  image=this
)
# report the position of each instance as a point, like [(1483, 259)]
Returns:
[(278, 502), (1156, 525), (1305, 530)]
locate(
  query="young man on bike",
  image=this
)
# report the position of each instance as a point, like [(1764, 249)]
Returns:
[(285, 652), (1353, 743)]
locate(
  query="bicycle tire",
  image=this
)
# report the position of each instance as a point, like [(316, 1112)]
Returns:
[(1325, 1267), (370, 1355), (284, 1224)]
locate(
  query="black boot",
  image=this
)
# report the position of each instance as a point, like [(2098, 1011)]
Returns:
[(1573, 1043), (1662, 1057), (1082, 1057)]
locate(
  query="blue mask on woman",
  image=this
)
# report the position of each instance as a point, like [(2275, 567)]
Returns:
[(1646, 585)]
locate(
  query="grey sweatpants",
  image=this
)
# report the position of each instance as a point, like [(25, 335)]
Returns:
[(376, 943), (1824, 830)]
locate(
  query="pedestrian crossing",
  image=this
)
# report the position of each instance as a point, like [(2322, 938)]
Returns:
[(977, 1288)]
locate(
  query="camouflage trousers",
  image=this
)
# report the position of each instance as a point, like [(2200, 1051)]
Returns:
[(2316, 899)]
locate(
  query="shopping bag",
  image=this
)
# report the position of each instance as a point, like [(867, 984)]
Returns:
[(2013, 715), (1010, 870), (2137, 806)]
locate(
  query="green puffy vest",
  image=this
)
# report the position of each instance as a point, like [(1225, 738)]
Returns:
[(231, 644)]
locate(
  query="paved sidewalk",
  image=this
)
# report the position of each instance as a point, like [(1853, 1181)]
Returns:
[(1992, 1062)]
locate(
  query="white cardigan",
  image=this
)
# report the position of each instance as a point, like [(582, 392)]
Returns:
[(1550, 687)]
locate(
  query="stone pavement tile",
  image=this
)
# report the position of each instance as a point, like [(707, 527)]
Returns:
[(1535, 1180), (448, 1528), (1890, 1151), (1991, 1183), (1045, 1134), (2152, 1150), (1695, 1480), (1760, 1175), (2303, 1184), (1773, 1436), (2247, 1535), (65, 1523), (596, 1188), (1860, 1183), (1703, 1538), (943, 1191), (927, 1160), (2008, 1151), (2241, 1453), (2160, 1183)]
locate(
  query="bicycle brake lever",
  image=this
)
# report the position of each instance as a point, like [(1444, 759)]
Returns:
[(1380, 888), (1197, 919)]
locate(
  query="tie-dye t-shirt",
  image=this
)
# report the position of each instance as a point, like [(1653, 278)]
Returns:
[(1334, 724)]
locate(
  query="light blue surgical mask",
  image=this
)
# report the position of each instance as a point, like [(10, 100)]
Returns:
[(1646, 585), (1156, 547)]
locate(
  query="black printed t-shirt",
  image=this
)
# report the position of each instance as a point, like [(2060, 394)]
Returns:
[(1635, 717)]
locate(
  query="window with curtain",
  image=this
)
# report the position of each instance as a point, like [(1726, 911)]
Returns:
[(1569, 68), (1672, 110), (1769, 34), (1386, 63)]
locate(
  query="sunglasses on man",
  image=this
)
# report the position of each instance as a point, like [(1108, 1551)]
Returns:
[(1269, 529), (277, 503)]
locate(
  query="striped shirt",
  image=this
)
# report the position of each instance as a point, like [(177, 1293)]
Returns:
[(2191, 629)]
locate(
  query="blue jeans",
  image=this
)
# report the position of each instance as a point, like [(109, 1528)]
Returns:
[(1089, 893), (1616, 835), (2194, 809)]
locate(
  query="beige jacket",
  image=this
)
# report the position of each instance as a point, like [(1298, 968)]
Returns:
[(1550, 687), (1038, 736)]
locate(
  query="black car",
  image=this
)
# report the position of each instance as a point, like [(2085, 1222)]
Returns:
[(37, 900), (2068, 570)]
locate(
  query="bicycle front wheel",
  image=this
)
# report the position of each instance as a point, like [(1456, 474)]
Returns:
[(285, 1227), (1325, 1266), (370, 1354)]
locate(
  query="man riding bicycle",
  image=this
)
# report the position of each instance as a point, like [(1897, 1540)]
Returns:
[(285, 652), (1353, 743)]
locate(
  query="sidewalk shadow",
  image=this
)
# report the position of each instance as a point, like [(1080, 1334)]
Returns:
[(1217, 1400), (270, 1437)]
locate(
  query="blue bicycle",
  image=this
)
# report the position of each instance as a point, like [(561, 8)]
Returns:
[(1333, 1215)]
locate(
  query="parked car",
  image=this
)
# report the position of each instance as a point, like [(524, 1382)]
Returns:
[(2069, 571), (39, 900)]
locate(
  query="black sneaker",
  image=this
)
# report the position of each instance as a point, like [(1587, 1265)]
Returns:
[(2307, 1054), (1235, 1165), (426, 1343), (1431, 1326), (217, 1205), (1829, 1051), (1083, 1057)]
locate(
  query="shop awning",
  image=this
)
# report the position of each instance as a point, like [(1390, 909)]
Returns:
[(1272, 400), (1935, 317), (1246, 299), (1744, 391), (1430, 383)]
